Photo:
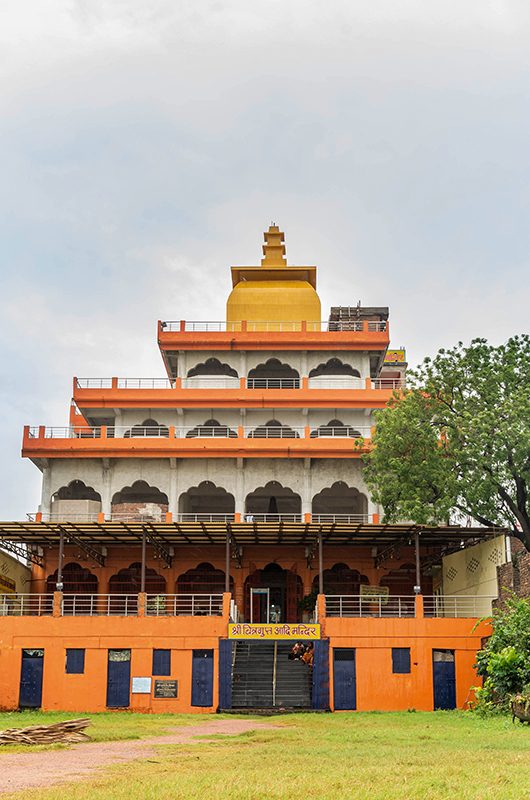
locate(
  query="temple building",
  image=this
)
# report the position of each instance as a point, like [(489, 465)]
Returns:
[(192, 528)]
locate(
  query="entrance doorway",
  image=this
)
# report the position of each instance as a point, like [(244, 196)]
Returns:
[(344, 679), (119, 679), (279, 598), (31, 679), (444, 679)]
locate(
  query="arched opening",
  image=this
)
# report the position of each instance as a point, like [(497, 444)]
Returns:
[(401, 581), (139, 503), (273, 374), (272, 502), (334, 366), (340, 503), (334, 374), (285, 591), (335, 427), (211, 428), (212, 367), (206, 503), (149, 427), (341, 580), (273, 429), (202, 579), (129, 581), (79, 587), (76, 501)]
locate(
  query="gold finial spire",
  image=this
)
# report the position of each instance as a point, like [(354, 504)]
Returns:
[(274, 248)]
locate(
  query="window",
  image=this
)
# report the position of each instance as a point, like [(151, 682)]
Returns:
[(75, 661), (401, 660), (161, 662)]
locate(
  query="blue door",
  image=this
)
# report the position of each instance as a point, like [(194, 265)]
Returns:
[(31, 679), (444, 679), (202, 678), (225, 673), (344, 688), (320, 689), (119, 679)]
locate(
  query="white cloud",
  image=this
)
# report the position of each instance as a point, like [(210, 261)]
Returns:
[(145, 146)]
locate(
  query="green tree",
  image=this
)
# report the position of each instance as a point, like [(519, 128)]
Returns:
[(504, 663), (458, 440)]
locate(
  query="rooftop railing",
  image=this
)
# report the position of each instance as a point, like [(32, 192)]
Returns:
[(349, 382), (196, 431), (220, 326), (23, 605), (457, 605), (184, 605), (341, 519), (370, 605)]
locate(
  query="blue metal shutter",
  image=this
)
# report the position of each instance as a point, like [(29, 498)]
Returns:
[(75, 661), (162, 662), (320, 693), (401, 660)]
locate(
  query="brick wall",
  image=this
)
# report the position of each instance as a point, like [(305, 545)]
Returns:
[(515, 575), (153, 512)]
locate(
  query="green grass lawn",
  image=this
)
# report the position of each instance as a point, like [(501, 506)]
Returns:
[(367, 756), (104, 727)]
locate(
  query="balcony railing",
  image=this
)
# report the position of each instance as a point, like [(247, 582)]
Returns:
[(250, 517), (24, 605), (318, 382), (196, 431), (273, 383), (112, 605), (370, 605), (221, 326), (204, 517), (184, 605), (457, 605), (341, 519)]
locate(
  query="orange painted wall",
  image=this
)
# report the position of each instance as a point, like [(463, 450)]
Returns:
[(378, 689), (87, 692)]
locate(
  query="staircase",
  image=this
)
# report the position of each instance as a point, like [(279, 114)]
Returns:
[(293, 680), (263, 677)]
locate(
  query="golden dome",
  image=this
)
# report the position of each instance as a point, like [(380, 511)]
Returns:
[(273, 292)]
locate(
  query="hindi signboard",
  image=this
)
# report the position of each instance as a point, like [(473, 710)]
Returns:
[(285, 630), (374, 594), (166, 688), (395, 357)]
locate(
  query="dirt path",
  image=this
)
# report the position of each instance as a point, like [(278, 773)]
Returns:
[(21, 771)]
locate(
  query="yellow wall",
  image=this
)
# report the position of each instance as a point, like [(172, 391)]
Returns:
[(473, 571), (13, 572)]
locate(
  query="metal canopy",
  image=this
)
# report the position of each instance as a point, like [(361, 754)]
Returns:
[(163, 535)]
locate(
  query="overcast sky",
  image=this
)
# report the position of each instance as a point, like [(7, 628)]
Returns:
[(145, 146)]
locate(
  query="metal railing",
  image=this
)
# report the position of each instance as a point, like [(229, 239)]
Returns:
[(457, 605), (199, 432), (273, 432), (105, 605), (288, 326), (22, 605), (145, 383), (341, 519), (122, 516), (184, 605), (370, 606), (93, 383), (251, 518), (388, 383), (344, 431), (216, 381), (63, 517), (204, 517), (273, 383)]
